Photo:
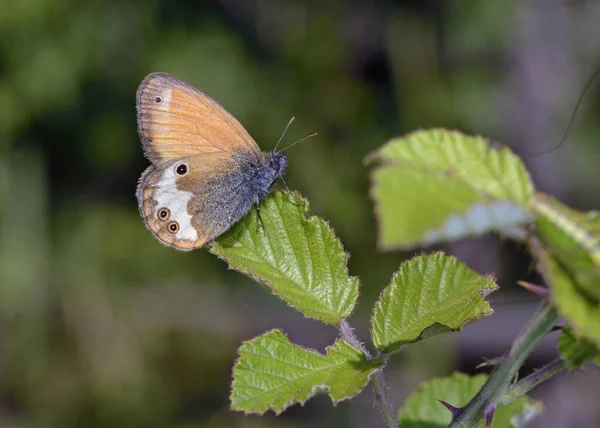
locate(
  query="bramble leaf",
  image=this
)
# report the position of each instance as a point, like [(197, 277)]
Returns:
[(437, 185), (570, 261), (582, 313), (429, 295), (297, 258), (422, 408), (273, 374), (573, 239), (576, 350)]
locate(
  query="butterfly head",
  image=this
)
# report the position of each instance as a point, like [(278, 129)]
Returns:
[(262, 177), (277, 162)]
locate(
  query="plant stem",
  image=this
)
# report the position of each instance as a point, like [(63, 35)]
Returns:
[(501, 377), (382, 400), (534, 379), (377, 381), (347, 333)]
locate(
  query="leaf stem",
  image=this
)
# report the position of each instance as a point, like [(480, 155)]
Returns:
[(347, 333), (377, 381), (499, 381)]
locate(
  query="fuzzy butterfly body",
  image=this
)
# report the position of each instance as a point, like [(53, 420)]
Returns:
[(206, 171)]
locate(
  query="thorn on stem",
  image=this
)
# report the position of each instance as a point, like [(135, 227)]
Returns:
[(490, 408), (538, 290), (454, 410), (492, 361)]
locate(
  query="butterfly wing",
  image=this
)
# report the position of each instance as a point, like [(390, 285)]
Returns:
[(188, 210), (176, 119)]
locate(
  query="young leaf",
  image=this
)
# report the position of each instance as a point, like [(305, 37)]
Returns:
[(273, 374), (582, 228), (573, 238), (581, 312), (571, 262), (429, 295), (439, 185), (298, 258), (422, 408), (576, 350)]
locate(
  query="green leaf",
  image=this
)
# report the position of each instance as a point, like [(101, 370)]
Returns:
[(273, 374), (429, 295), (298, 258), (571, 262), (423, 410), (581, 312), (576, 350), (438, 185), (573, 238)]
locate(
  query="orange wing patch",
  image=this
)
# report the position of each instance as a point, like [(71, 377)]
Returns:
[(175, 120)]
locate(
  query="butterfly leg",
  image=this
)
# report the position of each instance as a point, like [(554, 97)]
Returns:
[(257, 204), (286, 186)]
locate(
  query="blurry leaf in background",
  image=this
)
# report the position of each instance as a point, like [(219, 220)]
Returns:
[(298, 258), (104, 145), (24, 257), (575, 350), (434, 186), (571, 262), (581, 312), (423, 408), (113, 242), (13, 112), (429, 295), (573, 238), (25, 264)]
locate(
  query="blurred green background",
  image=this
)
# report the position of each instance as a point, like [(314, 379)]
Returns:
[(100, 326)]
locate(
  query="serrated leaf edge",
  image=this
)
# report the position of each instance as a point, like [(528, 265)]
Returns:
[(563, 218), (484, 292), (315, 390), (308, 219), (375, 159)]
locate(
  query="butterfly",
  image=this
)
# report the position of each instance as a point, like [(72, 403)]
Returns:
[(206, 171)]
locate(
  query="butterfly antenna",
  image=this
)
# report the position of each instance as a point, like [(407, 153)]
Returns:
[(301, 139), (283, 133), (586, 88)]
